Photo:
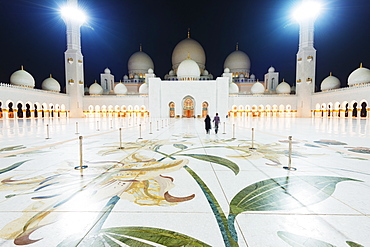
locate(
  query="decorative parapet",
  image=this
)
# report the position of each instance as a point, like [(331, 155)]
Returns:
[(6, 85), (262, 95), (344, 89)]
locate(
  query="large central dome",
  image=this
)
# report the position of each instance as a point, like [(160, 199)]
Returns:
[(185, 48), (139, 63), (238, 62)]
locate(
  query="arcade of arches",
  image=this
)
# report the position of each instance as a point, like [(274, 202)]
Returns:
[(345, 109), (10, 109), (20, 110)]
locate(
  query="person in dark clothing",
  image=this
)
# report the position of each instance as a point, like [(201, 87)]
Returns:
[(216, 119), (208, 123)]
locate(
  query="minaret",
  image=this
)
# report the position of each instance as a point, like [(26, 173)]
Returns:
[(306, 57), (74, 70)]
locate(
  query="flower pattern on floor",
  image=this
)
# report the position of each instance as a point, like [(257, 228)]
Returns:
[(135, 172)]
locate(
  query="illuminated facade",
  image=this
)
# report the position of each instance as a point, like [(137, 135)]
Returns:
[(236, 92)]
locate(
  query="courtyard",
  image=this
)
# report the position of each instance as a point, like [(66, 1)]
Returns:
[(165, 182)]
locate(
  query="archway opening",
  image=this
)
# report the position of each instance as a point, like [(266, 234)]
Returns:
[(28, 110), (346, 111), (363, 109), (19, 111), (354, 111), (204, 109), (10, 110), (35, 113), (172, 109), (52, 111), (188, 107)]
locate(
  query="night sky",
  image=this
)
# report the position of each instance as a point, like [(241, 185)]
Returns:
[(33, 35)]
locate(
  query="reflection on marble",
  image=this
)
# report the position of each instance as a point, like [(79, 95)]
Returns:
[(169, 183)]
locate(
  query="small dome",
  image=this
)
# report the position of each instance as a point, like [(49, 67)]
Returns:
[(241, 75), (283, 88), (125, 77), (120, 89), (271, 70), (22, 78), (359, 76), (139, 62), (233, 88), (226, 70), (205, 72), (136, 76), (50, 84), (238, 62), (171, 73), (253, 77), (95, 89), (330, 82), (186, 47), (86, 90), (188, 70), (257, 88), (143, 89), (107, 71), (150, 71)]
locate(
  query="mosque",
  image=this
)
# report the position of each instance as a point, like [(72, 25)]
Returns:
[(188, 90)]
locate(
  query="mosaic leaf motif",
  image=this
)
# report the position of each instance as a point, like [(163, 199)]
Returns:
[(330, 142), (12, 148), (135, 237), (155, 235), (180, 146), (215, 159), (228, 236), (362, 150), (301, 241), (353, 244), (284, 193), (12, 167)]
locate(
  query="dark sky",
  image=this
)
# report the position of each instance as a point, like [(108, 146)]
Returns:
[(33, 35)]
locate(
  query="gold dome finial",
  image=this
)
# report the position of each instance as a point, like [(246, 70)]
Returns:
[(141, 47), (237, 46), (331, 74), (22, 67), (189, 33), (51, 76), (283, 80), (360, 65), (95, 81), (188, 56)]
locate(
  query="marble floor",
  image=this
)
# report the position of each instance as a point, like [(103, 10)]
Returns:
[(165, 182)]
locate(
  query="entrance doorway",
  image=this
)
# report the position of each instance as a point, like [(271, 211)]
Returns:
[(188, 107), (204, 109)]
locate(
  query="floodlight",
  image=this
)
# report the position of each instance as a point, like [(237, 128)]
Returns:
[(73, 13), (307, 10)]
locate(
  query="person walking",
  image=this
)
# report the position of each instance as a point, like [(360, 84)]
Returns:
[(216, 119), (207, 122)]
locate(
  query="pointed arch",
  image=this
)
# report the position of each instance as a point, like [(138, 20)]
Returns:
[(188, 105)]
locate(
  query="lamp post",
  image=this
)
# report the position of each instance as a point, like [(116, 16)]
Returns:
[(305, 14), (74, 18)]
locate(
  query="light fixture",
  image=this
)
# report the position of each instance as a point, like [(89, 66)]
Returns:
[(307, 10), (73, 13)]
